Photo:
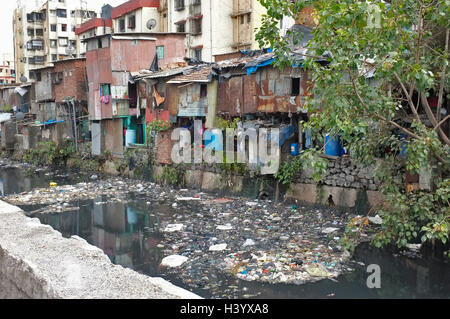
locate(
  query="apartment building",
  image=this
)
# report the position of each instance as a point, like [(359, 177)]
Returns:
[(212, 27), (46, 33), (7, 73)]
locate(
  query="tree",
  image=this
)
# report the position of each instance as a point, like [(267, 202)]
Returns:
[(384, 89)]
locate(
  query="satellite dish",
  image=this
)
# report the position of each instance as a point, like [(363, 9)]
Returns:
[(151, 24), (70, 50), (23, 79)]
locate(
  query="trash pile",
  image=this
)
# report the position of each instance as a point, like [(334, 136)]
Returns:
[(205, 237), (254, 241)]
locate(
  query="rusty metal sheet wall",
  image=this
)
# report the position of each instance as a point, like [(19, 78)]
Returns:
[(269, 90), (172, 99)]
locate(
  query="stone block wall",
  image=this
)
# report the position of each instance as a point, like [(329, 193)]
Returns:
[(344, 172)]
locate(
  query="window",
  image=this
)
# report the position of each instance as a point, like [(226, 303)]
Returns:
[(249, 17), (295, 87), (73, 44), (198, 54), (36, 60), (57, 77), (63, 42), (203, 90), (35, 16), (61, 13), (179, 5), (105, 89), (54, 57), (181, 27), (30, 32), (53, 43), (196, 26), (39, 32), (64, 27), (53, 27), (99, 44), (38, 76), (122, 25), (160, 52), (35, 45), (242, 19), (132, 22), (72, 13)]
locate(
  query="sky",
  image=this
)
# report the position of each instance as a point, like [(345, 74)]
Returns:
[(6, 15)]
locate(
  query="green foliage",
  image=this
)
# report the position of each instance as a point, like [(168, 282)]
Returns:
[(48, 153), (232, 168), (307, 160), (154, 127), (374, 116), (224, 123), (170, 176), (159, 125)]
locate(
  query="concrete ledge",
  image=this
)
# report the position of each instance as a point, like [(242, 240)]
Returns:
[(37, 262)]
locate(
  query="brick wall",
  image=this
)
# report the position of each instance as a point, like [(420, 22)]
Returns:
[(74, 80)]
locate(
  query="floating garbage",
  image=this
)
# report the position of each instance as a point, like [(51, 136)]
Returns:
[(224, 227), (219, 247), (174, 261), (376, 220), (329, 230), (173, 228), (249, 242)]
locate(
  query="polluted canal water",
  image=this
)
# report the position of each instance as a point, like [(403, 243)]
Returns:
[(151, 235)]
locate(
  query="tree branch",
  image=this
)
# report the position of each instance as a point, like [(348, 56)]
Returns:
[(441, 87), (442, 122), (409, 97), (380, 117), (432, 119)]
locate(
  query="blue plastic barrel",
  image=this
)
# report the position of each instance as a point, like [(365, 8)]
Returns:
[(295, 149), (403, 145), (333, 145)]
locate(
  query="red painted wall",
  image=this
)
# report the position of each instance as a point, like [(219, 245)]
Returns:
[(126, 56), (93, 23), (132, 6)]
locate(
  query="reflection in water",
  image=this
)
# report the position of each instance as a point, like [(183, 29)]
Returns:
[(15, 181), (128, 236)]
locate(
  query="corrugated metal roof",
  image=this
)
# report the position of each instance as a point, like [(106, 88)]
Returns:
[(163, 73), (202, 73)]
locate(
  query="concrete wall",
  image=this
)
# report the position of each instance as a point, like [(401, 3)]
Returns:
[(8, 134), (37, 262), (43, 87)]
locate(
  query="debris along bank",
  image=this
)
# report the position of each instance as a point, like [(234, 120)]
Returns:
[(255, 240)]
